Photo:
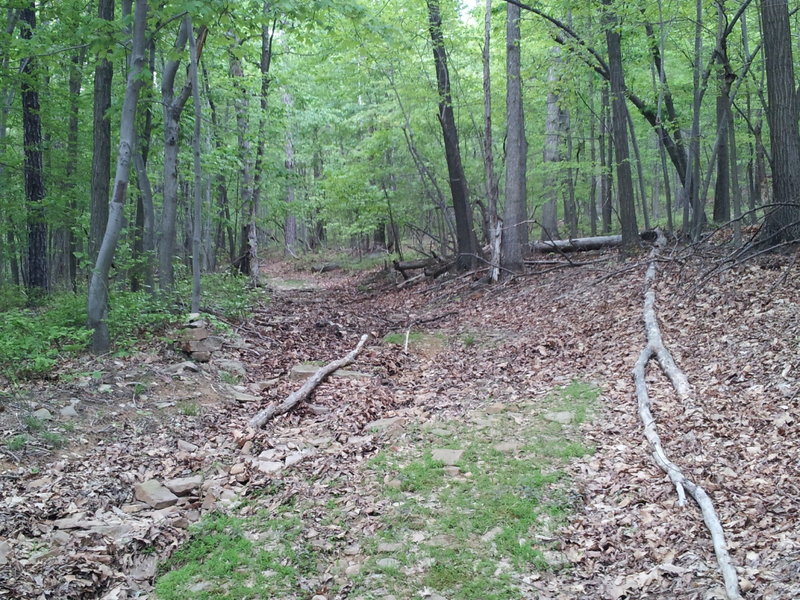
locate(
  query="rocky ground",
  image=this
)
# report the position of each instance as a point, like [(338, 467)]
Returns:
[(138, 448)]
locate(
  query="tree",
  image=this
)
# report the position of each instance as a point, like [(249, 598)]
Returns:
[(101, 136), (465, 237), (627, 208), (515, 218), (98, 286), (783, 221), (38, 267)]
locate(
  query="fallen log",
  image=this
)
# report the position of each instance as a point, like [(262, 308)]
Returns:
[(587, 243), (432, 267), (304, 392), (655, 348)]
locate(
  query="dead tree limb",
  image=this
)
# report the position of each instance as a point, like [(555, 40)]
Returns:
[(273, 410), (655, 349)]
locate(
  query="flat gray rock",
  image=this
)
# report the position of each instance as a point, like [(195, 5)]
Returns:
[(69, 412), (564, 417), (384, 424), (154, 494), (388, 563), (183, 485), (506, 447), (447, 456), (235, 367), (43, 414), (269, 466)]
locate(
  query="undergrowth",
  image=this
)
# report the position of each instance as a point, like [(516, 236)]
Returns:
[(33, 341)]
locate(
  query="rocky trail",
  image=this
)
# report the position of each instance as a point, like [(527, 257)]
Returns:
[(484, 437)]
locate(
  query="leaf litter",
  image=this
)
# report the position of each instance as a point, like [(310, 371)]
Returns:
[(71, 528)]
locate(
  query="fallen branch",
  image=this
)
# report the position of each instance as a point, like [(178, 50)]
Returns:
[(304, 392), (655, 348)]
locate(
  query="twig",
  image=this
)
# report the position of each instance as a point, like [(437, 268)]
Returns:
[(311, 383), (655, 348)]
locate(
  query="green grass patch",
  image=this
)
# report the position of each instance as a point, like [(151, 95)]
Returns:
[(221, 560), (473, 535)]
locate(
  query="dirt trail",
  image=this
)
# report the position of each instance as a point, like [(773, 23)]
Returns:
[(483, 373)]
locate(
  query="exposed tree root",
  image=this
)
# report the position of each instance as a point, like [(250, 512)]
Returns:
[(655, 349), (273, 410)]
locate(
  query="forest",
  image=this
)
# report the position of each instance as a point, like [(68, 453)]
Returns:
[(491, 207)]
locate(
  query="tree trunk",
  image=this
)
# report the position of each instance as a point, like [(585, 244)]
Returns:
[(515, 238), (197, 221), (782, 222), (173, 108), (552, 152), (38, 268), (290, 221), (101, 134), (495, 224), (98, 286), (606, 159), (70, 241), (627, 208), (722, 186), (465, 237)]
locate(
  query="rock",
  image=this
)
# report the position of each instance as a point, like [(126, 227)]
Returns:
[(243, 397), (316, 409), (352, 550), (491, 534), (563, 417), (452, 471), (5, 550), (104, 388), (447, 456), (154, 494), (394, 484), (295, 458), (388, 563), (186, 365), (506, 447), (202, 357), (193, 318), (387, 547), (269, 466), (183, 485), (42, 414), (145, 568), (352, 570), (382, 425), (186, 446), (69, 412), (319, 597), (321, 441), (194, 334), (235, 367), (238, 468), (216, 342)]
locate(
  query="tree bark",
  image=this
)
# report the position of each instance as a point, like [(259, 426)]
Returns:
[(101, 136), (551, 152), (627, 208), (38, 280), (98, 286), (515, 218), (492, 192), (465, 237), (783, 222), (197, 221)]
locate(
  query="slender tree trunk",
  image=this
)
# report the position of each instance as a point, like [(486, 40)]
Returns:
[(465, 237), (495, 224), (101, 132), (173, 108), (197, 228), (593, 160), (551, 151), (627, 208), (697, 220), (606, 160), (722, 186), (515, 238), (639, 169), (98, 286), (71, 244), (38, 268), (290, 221), (782, 222)]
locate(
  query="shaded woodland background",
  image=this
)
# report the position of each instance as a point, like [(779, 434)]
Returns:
[(464, 129)]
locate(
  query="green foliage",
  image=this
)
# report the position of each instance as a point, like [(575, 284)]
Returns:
[(17, 442), (219, 561)]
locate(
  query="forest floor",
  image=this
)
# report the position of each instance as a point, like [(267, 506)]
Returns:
[(485, 445)]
